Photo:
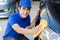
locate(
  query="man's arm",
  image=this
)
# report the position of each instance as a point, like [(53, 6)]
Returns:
[(35, 19), (21, 30)]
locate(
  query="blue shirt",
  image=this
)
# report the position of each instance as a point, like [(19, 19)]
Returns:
[(52, 23), (13, 19)]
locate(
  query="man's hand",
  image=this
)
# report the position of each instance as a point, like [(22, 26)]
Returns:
[(39, 28)]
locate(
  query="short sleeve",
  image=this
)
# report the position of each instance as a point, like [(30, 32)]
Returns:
[(12, 20)]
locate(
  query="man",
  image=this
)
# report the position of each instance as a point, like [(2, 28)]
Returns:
[(18, 23)]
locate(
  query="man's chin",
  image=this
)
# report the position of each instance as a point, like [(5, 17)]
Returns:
[(25, 17)]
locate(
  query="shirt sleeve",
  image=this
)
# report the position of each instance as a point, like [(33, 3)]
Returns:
[(12, 20)]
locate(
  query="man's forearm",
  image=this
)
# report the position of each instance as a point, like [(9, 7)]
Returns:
[(35, 19), (21, 30)]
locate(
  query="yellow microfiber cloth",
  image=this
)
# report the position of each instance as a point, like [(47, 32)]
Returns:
[(43, 24)]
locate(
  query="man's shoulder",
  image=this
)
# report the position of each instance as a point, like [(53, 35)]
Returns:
[(13, 15)]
